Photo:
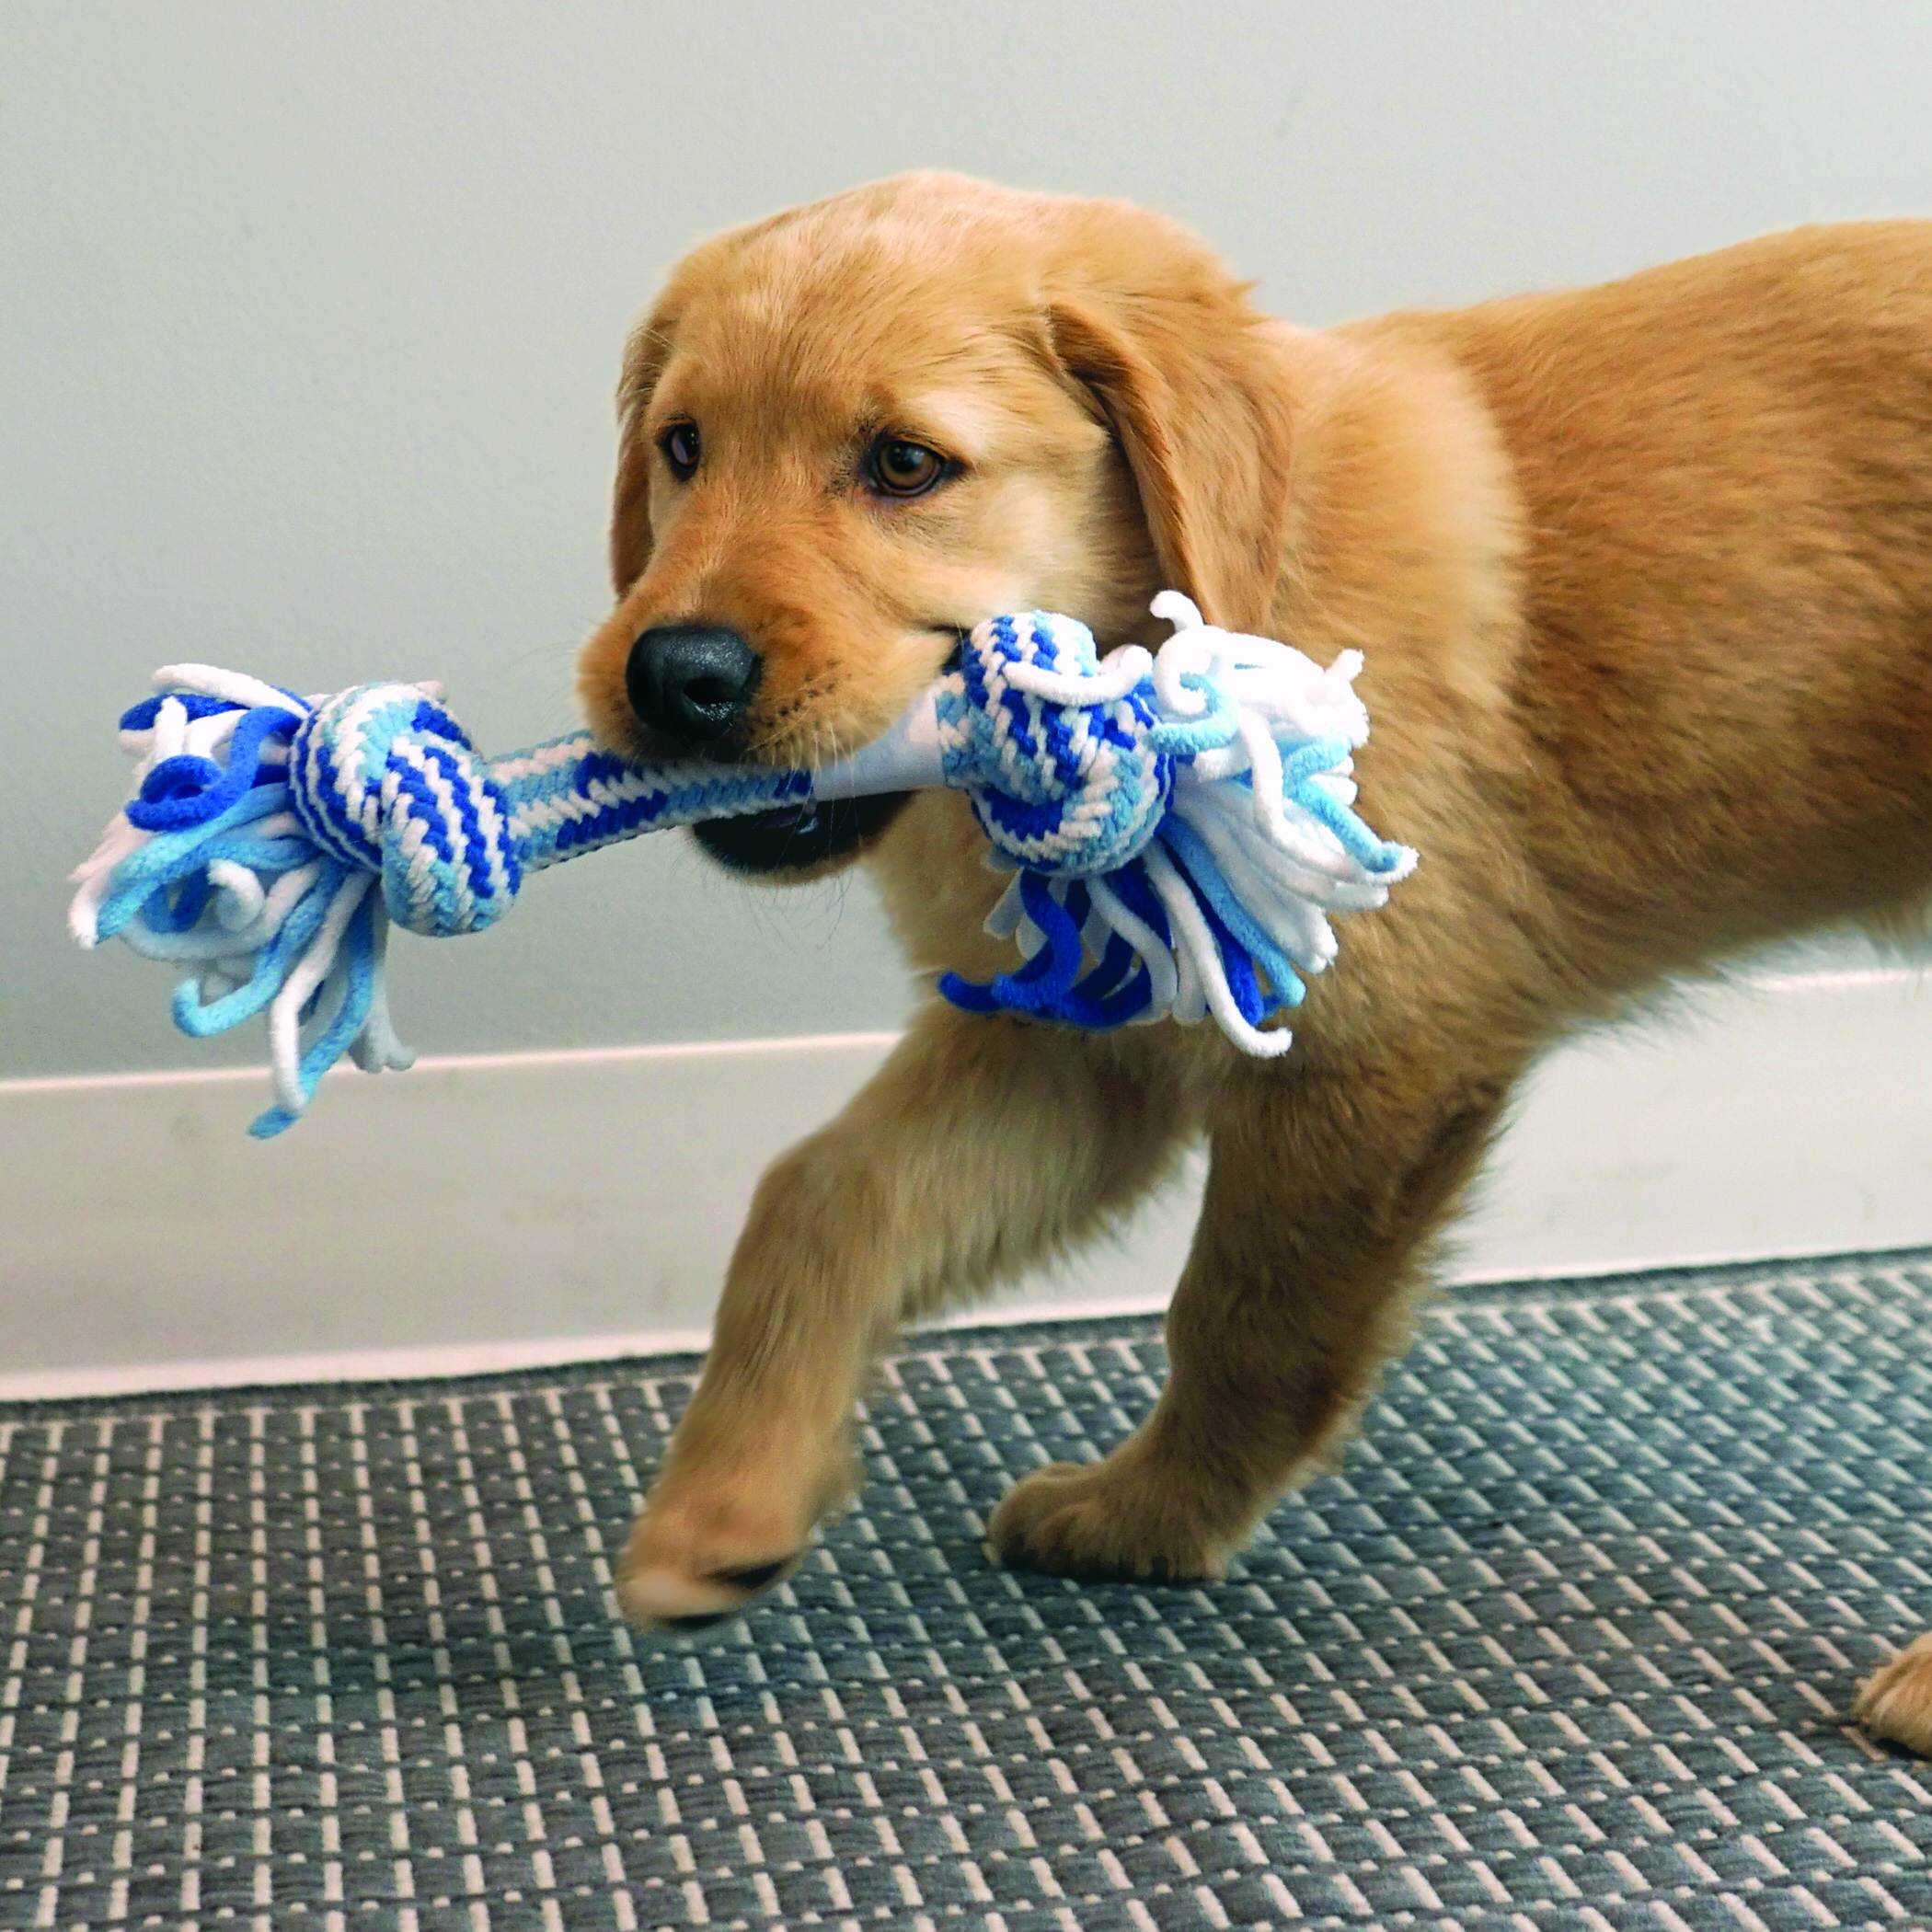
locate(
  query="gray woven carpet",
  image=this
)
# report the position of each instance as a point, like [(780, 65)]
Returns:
[(1569, 1644)]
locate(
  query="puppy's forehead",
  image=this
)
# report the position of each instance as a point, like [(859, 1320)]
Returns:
[(876, 324)]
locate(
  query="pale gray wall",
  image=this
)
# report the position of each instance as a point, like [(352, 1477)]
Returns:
[(309, 315)]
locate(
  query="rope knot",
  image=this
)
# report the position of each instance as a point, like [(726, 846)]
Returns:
[(384, 780), (1053, 747)]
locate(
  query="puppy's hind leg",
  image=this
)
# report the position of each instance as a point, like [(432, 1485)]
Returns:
[(1324, 1189), (982, 1146)]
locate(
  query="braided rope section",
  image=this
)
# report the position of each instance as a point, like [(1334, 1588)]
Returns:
[(384, 779), (1180, 824)]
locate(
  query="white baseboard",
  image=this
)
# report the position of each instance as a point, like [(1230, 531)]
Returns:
[(513, 1210)]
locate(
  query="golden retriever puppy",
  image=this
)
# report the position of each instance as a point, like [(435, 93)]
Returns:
[(1643, 575)]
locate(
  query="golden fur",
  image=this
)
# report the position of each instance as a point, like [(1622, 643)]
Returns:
[(1643, 574)]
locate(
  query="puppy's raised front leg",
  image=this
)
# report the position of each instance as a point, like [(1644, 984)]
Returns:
[(982, 1146), (1324, 1189), (1896, 1701)]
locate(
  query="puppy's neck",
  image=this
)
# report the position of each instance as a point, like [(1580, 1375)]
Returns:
[(1405, 529)]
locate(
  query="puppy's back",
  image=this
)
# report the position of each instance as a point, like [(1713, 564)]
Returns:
[(1726, 469)]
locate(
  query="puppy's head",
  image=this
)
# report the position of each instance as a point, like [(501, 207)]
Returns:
[(852, 432)]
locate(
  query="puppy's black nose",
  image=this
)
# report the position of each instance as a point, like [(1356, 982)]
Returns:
[(692, 682)]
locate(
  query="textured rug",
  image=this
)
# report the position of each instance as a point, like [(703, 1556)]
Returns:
[(1571, 1642)]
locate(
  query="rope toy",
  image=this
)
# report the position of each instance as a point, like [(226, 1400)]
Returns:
[(1178, 824)]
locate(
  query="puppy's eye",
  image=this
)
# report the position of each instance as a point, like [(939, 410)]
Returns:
[(679, 445), (903, 468)]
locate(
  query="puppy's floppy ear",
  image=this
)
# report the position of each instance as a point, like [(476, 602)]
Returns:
[(1186, 384), (645, 355)]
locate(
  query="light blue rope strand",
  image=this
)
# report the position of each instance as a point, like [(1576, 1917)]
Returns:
[(273, 963), (170, 857), (1187, 738), (1299, 775), (358, 957)]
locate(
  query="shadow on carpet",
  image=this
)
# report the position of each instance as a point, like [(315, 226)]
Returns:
[(1571, 1642)]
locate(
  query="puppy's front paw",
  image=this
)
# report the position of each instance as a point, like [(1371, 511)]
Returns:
[(710, 1541), (1896, 1700), (1115, 1520)]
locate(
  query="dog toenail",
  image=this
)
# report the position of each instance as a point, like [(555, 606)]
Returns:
[(754, 1576), (701, 1620)]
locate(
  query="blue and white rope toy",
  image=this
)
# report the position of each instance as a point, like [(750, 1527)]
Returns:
[(1180, 825)]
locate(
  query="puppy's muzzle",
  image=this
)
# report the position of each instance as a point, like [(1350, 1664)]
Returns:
[(690, 682)]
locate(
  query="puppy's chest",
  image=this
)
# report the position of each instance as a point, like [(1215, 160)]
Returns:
[(932, 874)]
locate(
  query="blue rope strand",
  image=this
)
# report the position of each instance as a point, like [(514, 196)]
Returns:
[(188, 790), (1190, 853)]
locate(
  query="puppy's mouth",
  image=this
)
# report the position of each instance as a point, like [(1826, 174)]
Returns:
[(793, 837)]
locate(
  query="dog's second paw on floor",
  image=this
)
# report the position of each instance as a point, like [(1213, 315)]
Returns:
[(1109, 1521)]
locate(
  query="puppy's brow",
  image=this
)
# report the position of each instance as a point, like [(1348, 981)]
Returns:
[(961, 423)]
